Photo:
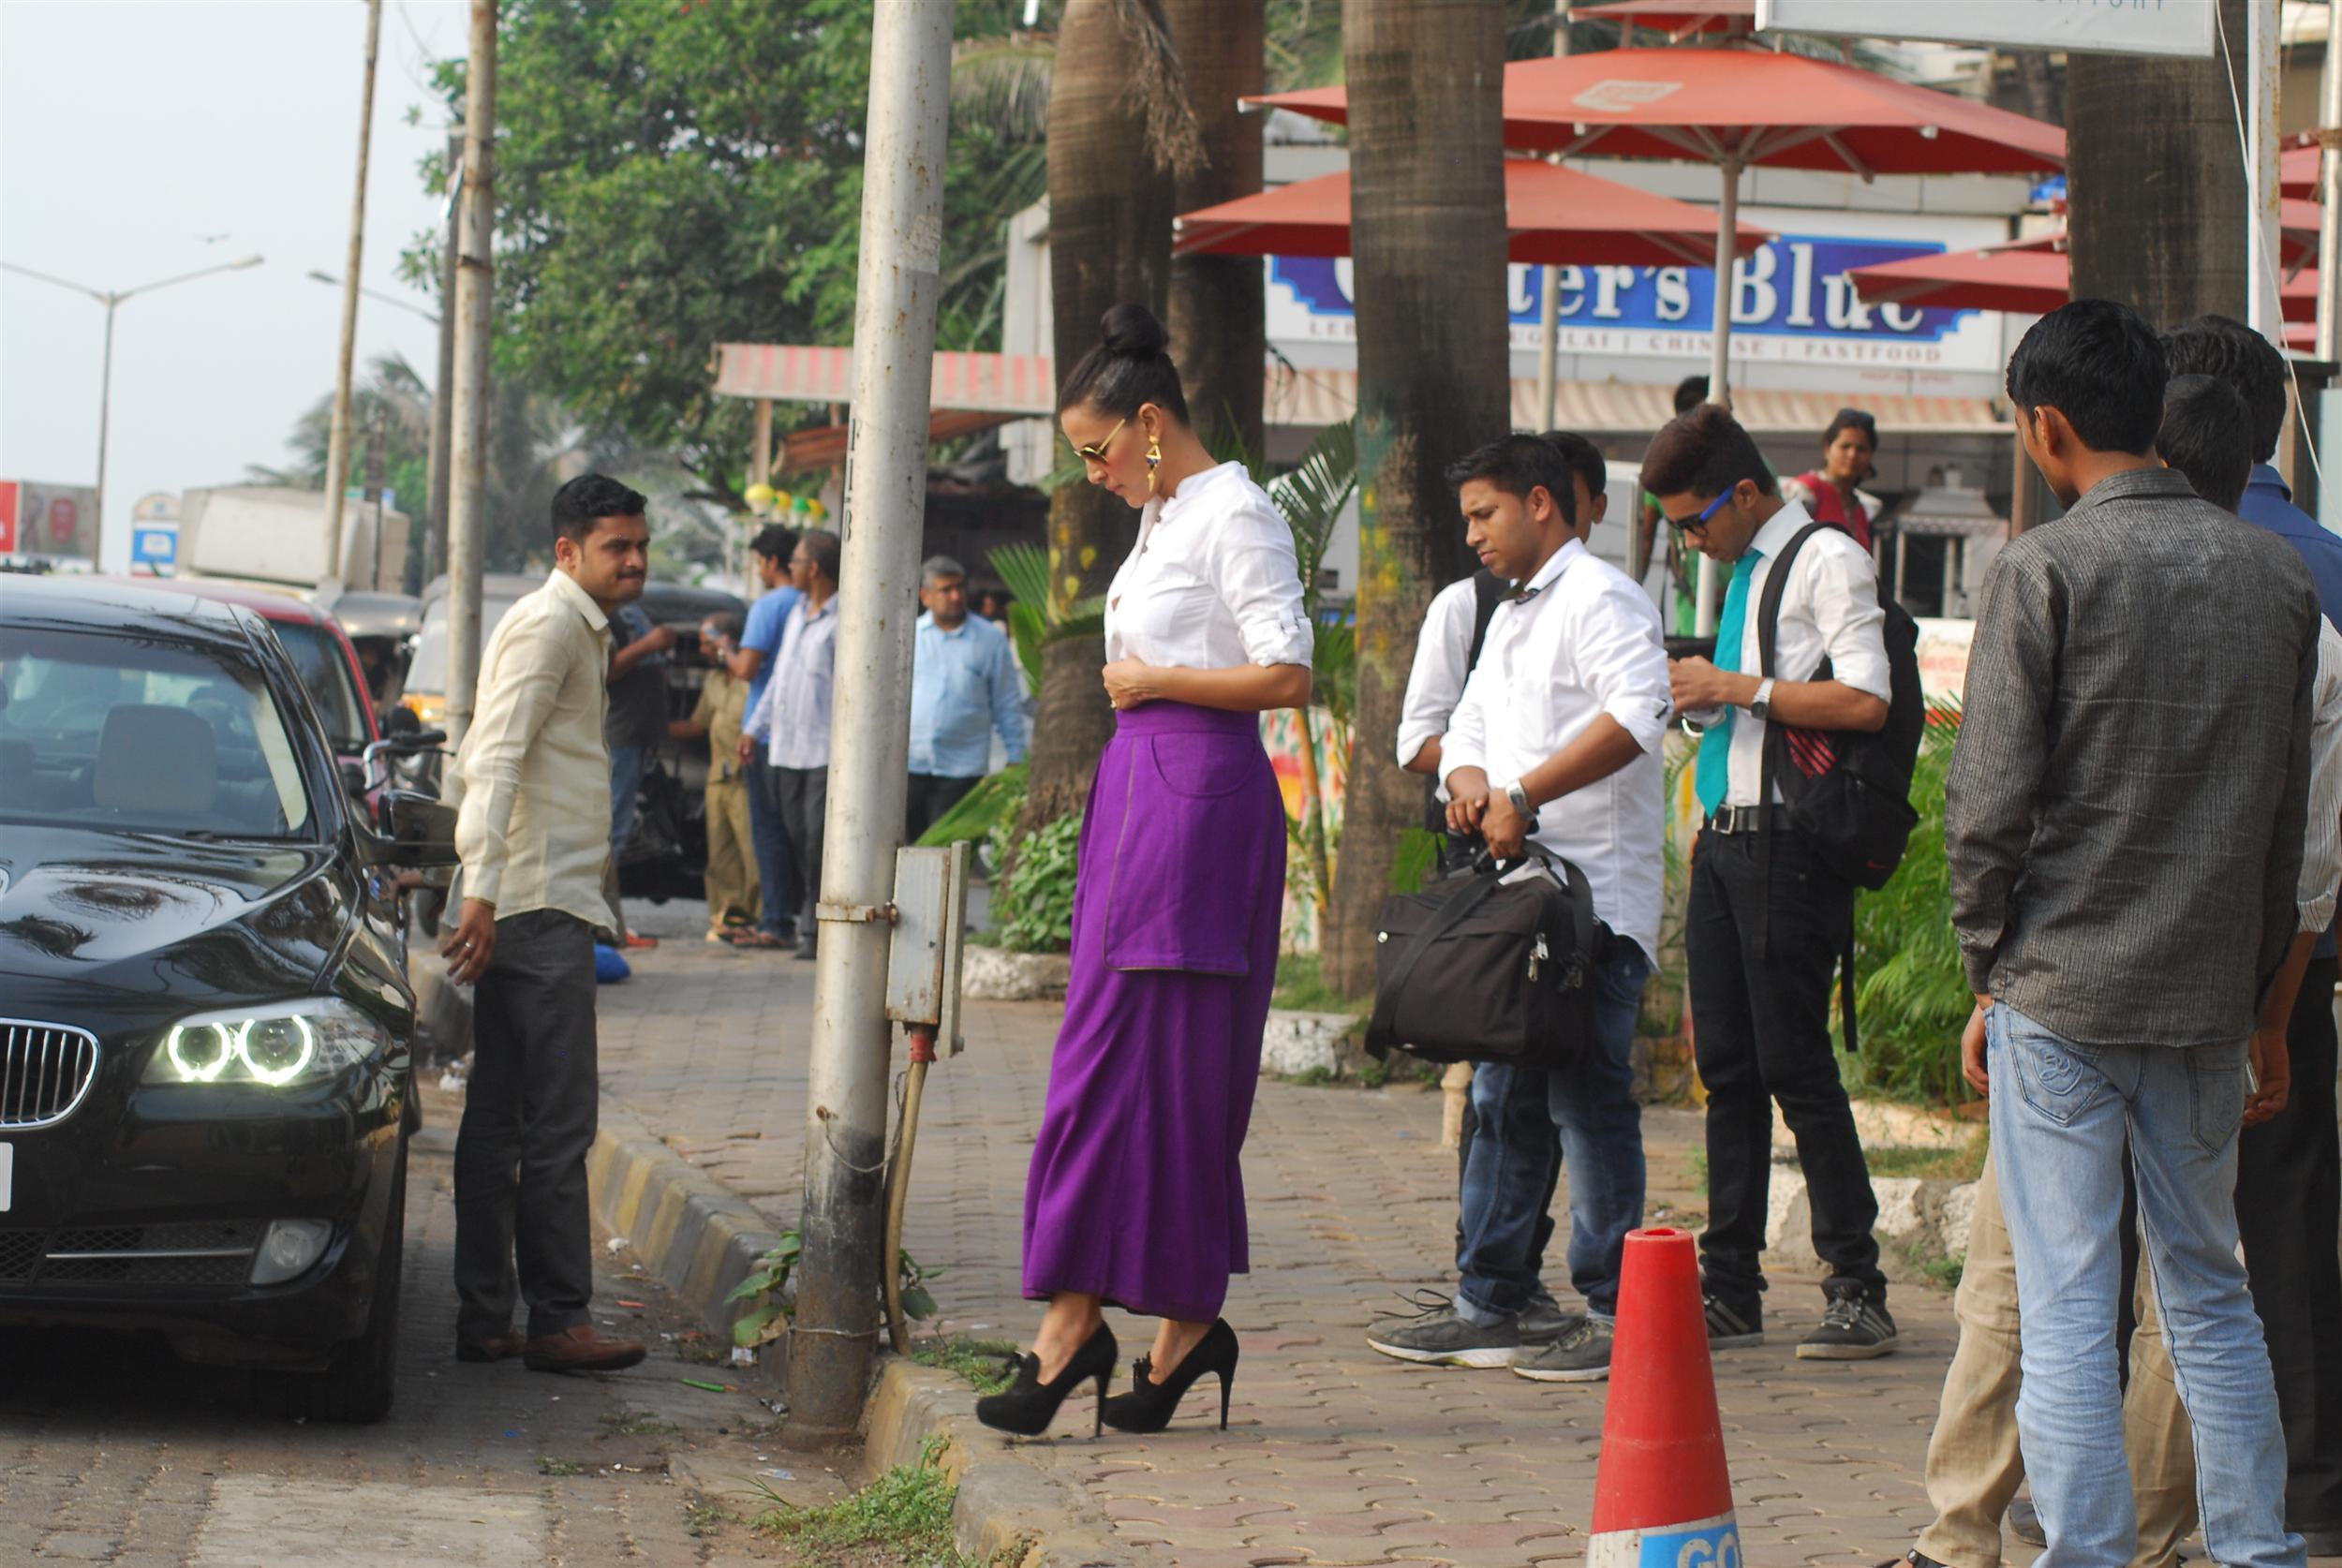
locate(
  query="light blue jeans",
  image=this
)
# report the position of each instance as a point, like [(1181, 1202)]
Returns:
[(2059, 1114)]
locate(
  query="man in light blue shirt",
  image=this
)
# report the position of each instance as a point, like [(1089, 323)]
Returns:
[(752, 661), (964, 685)]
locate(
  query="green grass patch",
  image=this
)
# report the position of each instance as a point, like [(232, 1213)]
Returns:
[(983, 1363), (635, 1423), (1936, 1268), (906, 1513), (548, 1465), (1964, 1163), (1301, 989)]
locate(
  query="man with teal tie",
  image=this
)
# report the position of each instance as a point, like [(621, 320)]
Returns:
[(1766, 919)]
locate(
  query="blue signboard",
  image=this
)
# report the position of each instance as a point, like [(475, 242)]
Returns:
[(1795, 287), (158, 547)]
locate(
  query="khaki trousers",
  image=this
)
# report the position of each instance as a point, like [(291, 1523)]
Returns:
[(735, 891), (1974, 1464)]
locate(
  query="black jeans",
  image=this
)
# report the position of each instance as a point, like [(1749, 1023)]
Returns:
[(529, 1116), (1762, 945), (2288, 1174), (931, 795), (805, 813)]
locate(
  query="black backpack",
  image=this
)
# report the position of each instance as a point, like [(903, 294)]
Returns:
[(1848, 790)]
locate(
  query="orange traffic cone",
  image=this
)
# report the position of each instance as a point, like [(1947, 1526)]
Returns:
[(1663, 1497)]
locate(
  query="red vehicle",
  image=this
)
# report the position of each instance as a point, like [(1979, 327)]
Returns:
[(330, 668)]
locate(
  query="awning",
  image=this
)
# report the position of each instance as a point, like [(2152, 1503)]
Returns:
[(804, 451), (1024, 384)]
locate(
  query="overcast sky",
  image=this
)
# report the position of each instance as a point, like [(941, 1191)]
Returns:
[(141, 139)]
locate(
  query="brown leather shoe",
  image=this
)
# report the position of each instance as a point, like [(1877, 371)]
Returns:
[(582, 1349), (497, 1347)]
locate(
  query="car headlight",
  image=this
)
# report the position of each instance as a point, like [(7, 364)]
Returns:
[(275, 1046)]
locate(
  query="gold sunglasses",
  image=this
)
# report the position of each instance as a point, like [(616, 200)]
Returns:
[(1096, 451)]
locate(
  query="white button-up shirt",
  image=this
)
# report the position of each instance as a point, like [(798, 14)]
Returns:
[(1214, 584), (1586, 644), (1829, 608), (532, 779), (1443, 651), (2322, 853), (793, 720)]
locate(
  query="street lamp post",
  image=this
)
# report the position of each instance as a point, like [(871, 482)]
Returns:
[(113, 301), (319, 275)]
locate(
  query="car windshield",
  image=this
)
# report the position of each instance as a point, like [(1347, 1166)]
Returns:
[(144, 736), (429, 672), (325, 672)]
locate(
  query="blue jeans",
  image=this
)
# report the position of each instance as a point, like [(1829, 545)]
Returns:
[(1591, 1106), (773, 868), (2059, 1114)]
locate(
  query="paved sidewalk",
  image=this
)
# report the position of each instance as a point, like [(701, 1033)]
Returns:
[(1335, 1455)]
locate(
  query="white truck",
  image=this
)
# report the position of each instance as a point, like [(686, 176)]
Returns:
[(273, 536)]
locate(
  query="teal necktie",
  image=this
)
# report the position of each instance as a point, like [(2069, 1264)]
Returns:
[(1715, 747)]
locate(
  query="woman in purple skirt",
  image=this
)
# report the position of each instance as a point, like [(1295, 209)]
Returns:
[(1135, 1198)]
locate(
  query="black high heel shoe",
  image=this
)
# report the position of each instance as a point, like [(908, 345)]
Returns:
[(1027, 1406), (1149, 1405)]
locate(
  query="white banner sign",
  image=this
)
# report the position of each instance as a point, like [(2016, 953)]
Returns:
[(2103, 27)]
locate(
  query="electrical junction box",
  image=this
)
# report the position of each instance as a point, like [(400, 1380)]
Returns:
[(930, 926)]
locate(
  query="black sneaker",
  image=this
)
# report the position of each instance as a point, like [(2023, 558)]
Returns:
[(1543, 1321), (1582, 1355), (1443, 1338), (1729, 1328), (1912, 1559), (1853, 1328), (2024, 1523)]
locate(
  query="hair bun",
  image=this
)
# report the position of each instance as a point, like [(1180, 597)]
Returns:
[(1131, 332)]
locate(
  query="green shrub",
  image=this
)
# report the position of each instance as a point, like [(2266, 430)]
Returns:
[(1032, 905), (1912, 991)]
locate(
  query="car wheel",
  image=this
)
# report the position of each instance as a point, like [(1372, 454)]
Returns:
[(358, 1389)]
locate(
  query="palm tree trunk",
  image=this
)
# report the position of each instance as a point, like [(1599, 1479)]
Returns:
[(1109, 240), (2157, 207), (1219, 334), (1434, 363)]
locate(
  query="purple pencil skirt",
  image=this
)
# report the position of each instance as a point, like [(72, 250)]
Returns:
[(1136, 1193)]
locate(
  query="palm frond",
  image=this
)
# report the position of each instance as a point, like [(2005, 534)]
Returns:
[(1313, 495), (1003, 83), (1175, 140), (1025, 567)]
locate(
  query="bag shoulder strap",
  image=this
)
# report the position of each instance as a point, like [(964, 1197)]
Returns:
[(1488, 592), (1769, 603), (1452, 914)]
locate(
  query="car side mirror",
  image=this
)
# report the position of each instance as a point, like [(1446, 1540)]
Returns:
[(417, 830)]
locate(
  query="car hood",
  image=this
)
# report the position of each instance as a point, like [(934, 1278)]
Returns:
[(150, 915)]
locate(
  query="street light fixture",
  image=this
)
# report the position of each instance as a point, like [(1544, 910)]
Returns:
[(318, 276), (111, 300)]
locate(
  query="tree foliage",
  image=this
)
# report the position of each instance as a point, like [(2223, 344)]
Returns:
[(672, 175)]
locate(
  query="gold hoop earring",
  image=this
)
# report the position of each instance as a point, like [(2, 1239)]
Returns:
[(1154, 460)]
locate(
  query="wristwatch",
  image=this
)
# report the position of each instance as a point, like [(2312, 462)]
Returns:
[(1761, 705), (1520, 797)]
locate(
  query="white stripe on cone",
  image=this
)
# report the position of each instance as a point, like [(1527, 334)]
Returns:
[(1700, 1544)]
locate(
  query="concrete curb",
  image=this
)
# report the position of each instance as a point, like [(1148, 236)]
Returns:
[(690, 1230)]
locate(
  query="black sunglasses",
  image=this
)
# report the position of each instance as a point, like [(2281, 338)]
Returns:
[(1699, 525)]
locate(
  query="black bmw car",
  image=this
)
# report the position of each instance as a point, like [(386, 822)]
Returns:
[(206, 1034)]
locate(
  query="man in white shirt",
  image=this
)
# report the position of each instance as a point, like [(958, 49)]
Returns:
[(1556, 738), (1766, 920), (533, 828), (792, 720), (1446, 649)]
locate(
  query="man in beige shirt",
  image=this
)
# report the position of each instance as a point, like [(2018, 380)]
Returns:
[(533, 828)]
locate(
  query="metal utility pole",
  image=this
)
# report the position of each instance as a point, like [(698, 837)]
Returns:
[(443, 384), (474, 317), (836, 1328), (337, 440), (2261, 68), (1550, 288), (112, 299)]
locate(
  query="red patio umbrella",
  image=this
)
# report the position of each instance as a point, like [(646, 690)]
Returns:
[(1554, 215), (2032, 277), (1738, 108)]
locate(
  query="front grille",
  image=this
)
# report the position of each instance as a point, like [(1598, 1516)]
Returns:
[(45, 1069), (196, 1252)]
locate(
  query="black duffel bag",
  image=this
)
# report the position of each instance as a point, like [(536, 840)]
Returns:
[(1478, 968)]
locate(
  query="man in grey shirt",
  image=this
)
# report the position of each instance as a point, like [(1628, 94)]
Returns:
[(2124, 822)]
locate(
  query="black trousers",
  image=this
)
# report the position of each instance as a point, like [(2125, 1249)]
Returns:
[(932, 795), (1762, 943), (529, 1116), (804, 815), (2289, 1192)]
